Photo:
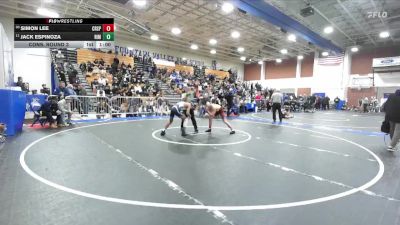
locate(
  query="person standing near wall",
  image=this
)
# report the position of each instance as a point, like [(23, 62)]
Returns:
[(337, 100), (392, 110), (277, 99), (365, 103)]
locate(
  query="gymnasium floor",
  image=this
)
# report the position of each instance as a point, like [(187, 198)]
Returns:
[(321, 168)]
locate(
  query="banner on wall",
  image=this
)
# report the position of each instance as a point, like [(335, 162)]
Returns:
[(385, 62), (156, 55)]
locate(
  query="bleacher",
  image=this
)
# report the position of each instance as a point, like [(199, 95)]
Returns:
[(85, 55), (70, 56)]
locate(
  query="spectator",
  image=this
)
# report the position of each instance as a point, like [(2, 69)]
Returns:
[(336, 101), (72, 75), (45, 90), (60, 89), (81, 90), (327, 102), (365, 103), (138, 89), (102, 81), (48, 108), (65, 110), (69, 90), (83, 67), (20, 83), (392, 110)]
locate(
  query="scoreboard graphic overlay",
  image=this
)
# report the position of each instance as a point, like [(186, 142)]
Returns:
[(64, 33)]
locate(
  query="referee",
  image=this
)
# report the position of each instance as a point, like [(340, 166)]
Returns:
[(277, 99), (190, 98)]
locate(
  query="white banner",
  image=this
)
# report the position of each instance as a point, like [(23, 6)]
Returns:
[(384, 62), (164, 62)]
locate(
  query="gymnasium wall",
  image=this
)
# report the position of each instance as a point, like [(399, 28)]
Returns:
[(362, 60), (362, 65), (252, 71), (306, 76), (307, 66), (286, 69), (33, 65), (303, 91), (333, 80), (353, 95)]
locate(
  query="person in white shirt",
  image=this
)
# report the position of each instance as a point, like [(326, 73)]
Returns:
[(64, 108), (102, 81), (138, 88), (277, 99)]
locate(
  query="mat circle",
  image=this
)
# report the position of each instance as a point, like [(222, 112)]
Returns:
[(60, 187), (248, 138)]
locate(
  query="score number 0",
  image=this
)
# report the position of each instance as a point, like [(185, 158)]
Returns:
[(108, 32), (108, 27)]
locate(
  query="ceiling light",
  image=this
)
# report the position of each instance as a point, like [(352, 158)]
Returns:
[(183, 58), (139, 3), (384, 34), (212, 42), (48, 1), (278, 60), (243, 58), (328, 30), (260, 62), (240, 49), (154, 37), (176, 31), (325, 53), (213, 51), (194, 46), (130, 48), (291, 37), (300, 57), (235, 34), (250, 60), (284, 51), (47, 13), (227, 7), (354, 49)]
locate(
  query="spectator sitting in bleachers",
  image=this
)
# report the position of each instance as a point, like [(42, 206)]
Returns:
[(60, 89), (69, 90), (45, 90)]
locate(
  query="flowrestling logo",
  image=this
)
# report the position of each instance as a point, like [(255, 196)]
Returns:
[(381, 14)]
